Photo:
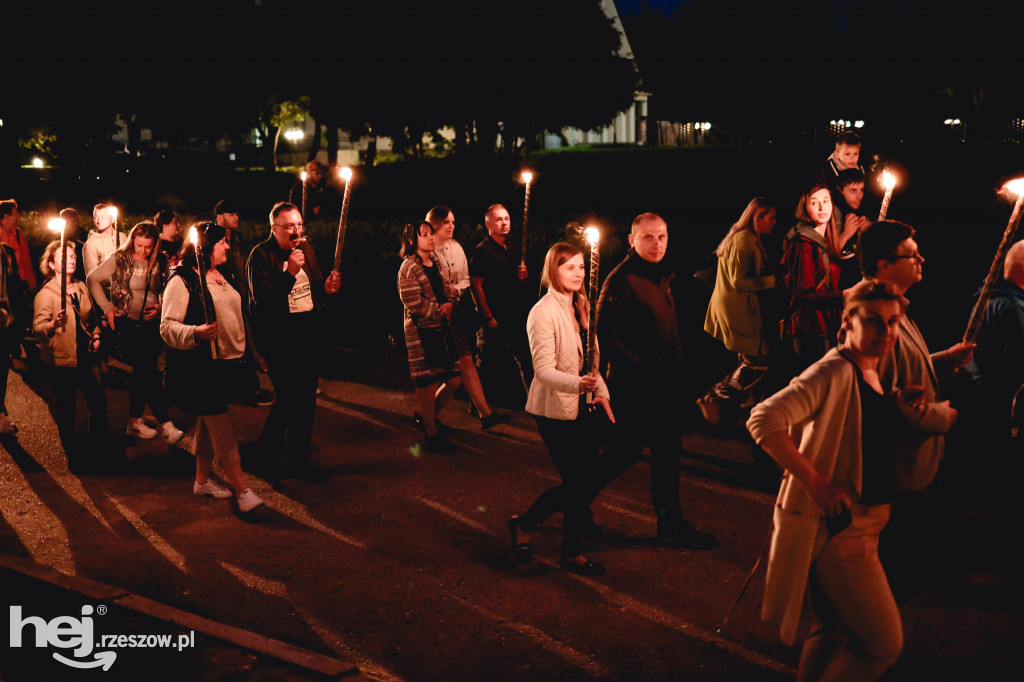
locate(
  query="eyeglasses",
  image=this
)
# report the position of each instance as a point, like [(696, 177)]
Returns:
[(916, 255), (291, 227)]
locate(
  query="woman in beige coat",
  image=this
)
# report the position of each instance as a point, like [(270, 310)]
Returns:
[(837, 435), (554, 328), (735, 313)]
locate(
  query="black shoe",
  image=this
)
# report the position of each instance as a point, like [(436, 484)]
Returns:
[(438, 443), (521, 551), (586, 568), (265, 397), (417, 421), (493, 419), (684, 535)]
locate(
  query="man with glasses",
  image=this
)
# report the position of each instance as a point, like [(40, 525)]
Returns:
[(286, 287), (887, 252)]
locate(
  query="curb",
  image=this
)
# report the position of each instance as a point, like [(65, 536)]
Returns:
[(288, 653)]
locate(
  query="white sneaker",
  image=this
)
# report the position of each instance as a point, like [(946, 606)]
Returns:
[(248, 500), (211, 489), (172, 434), (140, 429)]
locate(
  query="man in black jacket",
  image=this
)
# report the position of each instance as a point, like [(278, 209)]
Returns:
[(639, 334), (286, 288)]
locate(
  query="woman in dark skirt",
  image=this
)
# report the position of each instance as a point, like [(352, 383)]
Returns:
[(200, 380)]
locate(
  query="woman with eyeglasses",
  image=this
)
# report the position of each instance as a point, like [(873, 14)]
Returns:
[(734, 314), (136, 274), (837, 433), (810, 267), (430, 339)]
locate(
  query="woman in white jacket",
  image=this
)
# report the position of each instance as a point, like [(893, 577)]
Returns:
[(554, 328), (837, 435)]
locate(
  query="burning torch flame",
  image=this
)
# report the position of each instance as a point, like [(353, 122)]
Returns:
[(193, 236), (888, 180), (345, 172), (527, 177), (303, 175), (592, 235), (1015, 186), (112, 210), (57, 225)]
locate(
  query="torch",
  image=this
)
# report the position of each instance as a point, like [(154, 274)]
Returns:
[(57, 225), (1012, 187), (193, 236), (303, 176), (527, 178), (888, 181), (593, 236), (346, 174)]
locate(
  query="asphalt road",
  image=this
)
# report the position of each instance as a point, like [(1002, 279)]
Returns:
[(398, 563)]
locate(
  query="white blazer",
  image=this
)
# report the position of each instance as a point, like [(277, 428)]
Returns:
[(557, 352)]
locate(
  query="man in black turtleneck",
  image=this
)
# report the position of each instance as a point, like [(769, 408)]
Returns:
[(639, 335)]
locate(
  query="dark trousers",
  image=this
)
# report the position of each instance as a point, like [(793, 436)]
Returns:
[(293, 371), (640, 422), (143, 345), (573, 449), (507, 350), (65, 382)]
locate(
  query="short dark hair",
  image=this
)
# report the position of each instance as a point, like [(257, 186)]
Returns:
[(878, 242), (438, 214), (848, 176), (849, 138), (163, 217), (224, 206), (7, 207), (410, 237), (280, 207)]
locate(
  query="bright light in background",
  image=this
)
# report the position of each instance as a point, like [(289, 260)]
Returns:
[(294, 135), (37, 162), (858, 124)]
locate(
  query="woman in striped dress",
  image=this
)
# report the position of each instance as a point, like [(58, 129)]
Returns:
[(429, 336)]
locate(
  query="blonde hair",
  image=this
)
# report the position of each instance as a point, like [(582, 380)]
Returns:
[(558, 255), (50, 255), (757, 206)]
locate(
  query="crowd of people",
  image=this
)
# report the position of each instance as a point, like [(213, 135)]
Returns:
[(838, 382)]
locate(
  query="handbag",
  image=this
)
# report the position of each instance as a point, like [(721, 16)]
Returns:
[(438, 344)]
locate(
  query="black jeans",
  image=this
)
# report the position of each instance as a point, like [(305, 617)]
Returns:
[(574, 451), (142, 345), (65, 382)]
